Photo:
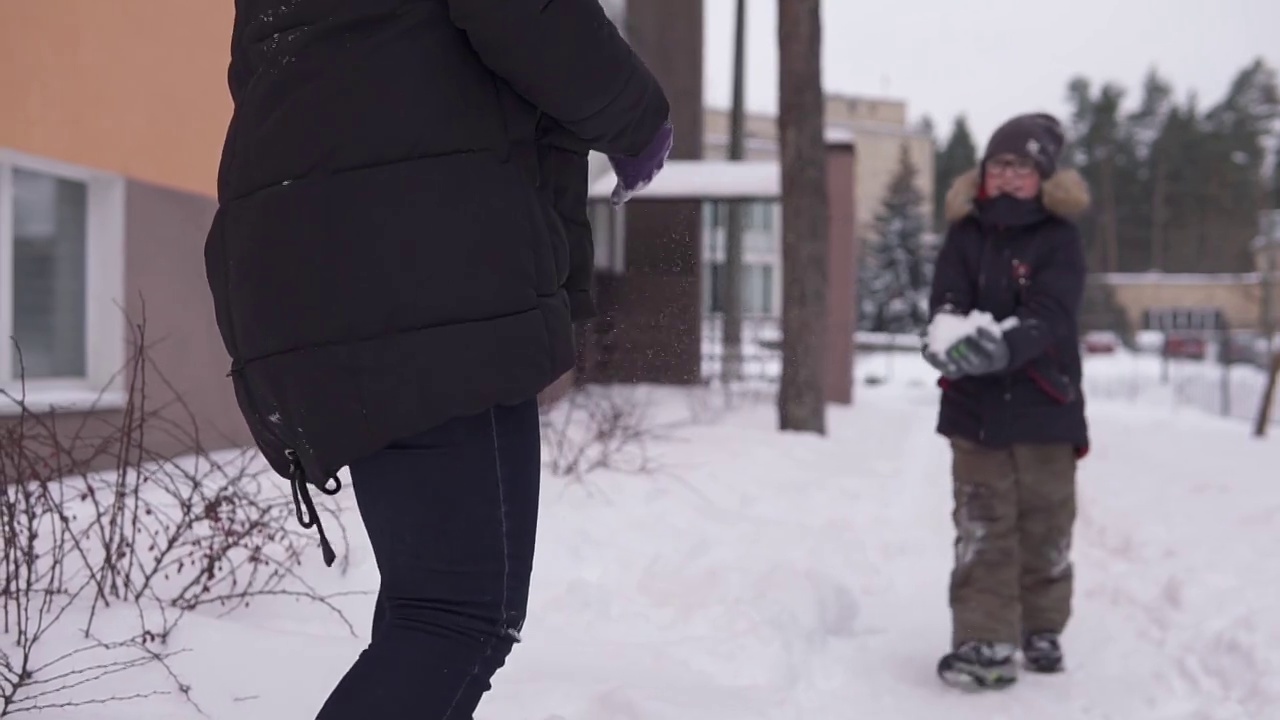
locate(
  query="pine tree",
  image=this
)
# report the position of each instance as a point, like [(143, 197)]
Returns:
[(1175, 188), (958, 157), (1275, 180), (897, 269), (1145, 129), (926, 127), (1271, 182), (1239, 128), (1183, 147), (1100, 149)]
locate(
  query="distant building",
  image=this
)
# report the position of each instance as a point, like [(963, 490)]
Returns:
[(1238, 296), (1249, 301), (109, 149), (623, 255), (877, 128)]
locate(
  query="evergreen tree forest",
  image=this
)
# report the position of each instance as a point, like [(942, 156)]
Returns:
[(1177, 184)]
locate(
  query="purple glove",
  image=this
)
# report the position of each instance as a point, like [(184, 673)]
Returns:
[(635, 173)]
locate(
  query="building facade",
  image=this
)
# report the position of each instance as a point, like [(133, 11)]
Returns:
[(649, 295), (109, 149), (878, 128), (1249, 301), (714, 184)]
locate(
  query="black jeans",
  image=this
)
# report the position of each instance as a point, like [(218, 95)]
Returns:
[(452, 516)]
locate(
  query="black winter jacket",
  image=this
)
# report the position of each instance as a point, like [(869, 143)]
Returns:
[(1027, 263), (402, 234)]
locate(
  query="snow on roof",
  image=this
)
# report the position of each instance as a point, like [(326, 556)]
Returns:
[(705, 180), (838, 135), (832, 135), (1162, 278)]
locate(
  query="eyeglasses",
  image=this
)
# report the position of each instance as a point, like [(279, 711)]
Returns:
[(1016, 166)]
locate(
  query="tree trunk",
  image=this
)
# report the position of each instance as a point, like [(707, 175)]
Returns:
[(1109, 222), (1158, 199), (731, 360), (802, 397), (1263, 420)]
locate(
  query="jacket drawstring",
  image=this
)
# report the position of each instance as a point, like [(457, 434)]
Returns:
[(302, 502)]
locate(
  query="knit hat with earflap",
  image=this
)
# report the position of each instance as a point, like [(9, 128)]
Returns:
[(1037, 137)]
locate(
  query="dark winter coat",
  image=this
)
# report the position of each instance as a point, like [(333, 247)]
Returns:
[(402, 234), (1030, 264)]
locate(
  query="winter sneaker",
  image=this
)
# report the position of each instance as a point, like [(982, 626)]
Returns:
[(1042, 653), (979, 666)]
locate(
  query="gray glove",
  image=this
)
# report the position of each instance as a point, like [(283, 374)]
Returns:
[(983, 353), (942, 364)]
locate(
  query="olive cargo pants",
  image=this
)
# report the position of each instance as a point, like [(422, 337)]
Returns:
[(1014, 513)]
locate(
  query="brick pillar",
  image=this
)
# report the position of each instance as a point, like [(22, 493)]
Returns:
[(650, 329), (667, 34), (842, 293)]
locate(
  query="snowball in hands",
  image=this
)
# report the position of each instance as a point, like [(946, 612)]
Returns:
[(948, 329), (967, 345)]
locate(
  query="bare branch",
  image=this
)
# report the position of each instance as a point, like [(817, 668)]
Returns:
[(93, 515)]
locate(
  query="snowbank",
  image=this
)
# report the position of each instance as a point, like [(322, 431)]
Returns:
[(1190, 387)]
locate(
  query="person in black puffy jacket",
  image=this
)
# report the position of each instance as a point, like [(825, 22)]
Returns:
[(398, 256), (1012, 404)]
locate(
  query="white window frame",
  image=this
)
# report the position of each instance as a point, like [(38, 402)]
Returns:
[(102, 387), (608, 236), (759, 247)]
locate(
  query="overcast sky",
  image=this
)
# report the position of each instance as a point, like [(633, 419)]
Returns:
[(995, 58)]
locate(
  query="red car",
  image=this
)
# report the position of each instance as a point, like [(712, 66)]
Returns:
[(1100, 342), (1189, 347)]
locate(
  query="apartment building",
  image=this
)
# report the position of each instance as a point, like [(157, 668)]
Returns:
[(111, 126)]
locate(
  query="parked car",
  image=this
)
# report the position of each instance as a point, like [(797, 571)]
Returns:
[(1100, 342), (1150, 342), (1189, 347), (1246, 347)]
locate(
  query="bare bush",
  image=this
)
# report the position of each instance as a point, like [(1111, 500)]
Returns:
[(598, 427), (93, 518), (712, 401)]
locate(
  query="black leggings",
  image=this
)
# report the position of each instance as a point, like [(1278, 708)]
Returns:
[(452, 516)]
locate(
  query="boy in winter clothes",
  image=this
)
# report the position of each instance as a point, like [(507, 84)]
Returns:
[(1012, 406)]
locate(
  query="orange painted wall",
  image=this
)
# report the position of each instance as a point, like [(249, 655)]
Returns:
[(136, 87)]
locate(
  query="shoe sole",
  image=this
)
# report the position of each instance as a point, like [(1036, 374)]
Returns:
[(971, 680), (1044, 670)]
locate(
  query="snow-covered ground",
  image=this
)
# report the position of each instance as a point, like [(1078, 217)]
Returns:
[(757, 575)]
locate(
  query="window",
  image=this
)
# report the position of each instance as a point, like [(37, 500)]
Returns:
[(760, 216), (757, 215), (608, 233), (61, 283), (757, 289), (761, 232)]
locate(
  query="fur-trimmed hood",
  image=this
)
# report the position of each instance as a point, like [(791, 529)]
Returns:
[(1065, 194)]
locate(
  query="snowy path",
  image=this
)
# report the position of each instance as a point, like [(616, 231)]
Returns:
[(808, 580), (784, 577)]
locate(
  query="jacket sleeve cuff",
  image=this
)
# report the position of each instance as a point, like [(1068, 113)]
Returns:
[(1026, 342)]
